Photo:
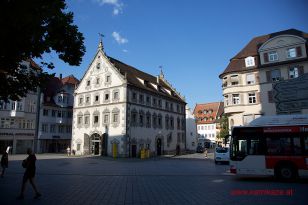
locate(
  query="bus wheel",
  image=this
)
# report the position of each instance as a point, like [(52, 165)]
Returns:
[(286, 172)]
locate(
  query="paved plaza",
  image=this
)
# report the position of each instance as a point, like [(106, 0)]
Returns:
[(188, 179)]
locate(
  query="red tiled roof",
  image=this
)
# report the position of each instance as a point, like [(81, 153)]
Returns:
[(54, 86), (70, 80), (237, 63), (214, 106)]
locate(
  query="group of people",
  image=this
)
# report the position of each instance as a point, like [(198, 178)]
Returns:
[(29, 165)]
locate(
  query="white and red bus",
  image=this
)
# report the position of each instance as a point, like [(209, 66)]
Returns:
[(275, 146)]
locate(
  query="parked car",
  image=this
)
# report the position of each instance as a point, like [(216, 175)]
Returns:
[(200, 149), (221, 154)]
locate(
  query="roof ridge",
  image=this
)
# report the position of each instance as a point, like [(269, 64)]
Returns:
[(131, 67)]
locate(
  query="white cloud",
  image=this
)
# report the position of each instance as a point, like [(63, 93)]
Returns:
[(119, 39), (117, 5), (125, 51)]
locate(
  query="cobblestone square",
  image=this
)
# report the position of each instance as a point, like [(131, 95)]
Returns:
[(188, 179)]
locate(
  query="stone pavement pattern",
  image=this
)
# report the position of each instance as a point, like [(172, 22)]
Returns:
[(189, 179)]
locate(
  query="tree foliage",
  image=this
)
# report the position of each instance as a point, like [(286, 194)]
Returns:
[(30, 28), (224, 126)]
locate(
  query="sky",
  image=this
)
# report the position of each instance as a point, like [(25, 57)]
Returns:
[(192, 40)]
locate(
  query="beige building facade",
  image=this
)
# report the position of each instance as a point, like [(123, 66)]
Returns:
[(251, 80)]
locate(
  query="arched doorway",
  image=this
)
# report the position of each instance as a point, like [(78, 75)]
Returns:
[(95, 144), (158, 146)]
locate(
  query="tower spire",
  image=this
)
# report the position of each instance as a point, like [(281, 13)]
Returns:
[(100, 45), (161, 75)]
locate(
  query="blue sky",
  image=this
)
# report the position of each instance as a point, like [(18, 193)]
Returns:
[(193, 40)]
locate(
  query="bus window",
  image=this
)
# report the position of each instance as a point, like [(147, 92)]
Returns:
[(297, 146), (242, 151), (279, 146), (254, 147)]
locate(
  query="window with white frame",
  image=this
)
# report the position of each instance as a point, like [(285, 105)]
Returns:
[(293, 72), (80, 101), (88, 83), (250, 79), (86, 119), (79, 119), (97, 81), (98, 66), (96, 98), (115, 118), (87, 99), (291, 53), (235, 99), (234, 80), (250, 61), (116, 95), (44, 127), (252, 98), (106, 97), (95, 119), (106, 118), (273, 56)]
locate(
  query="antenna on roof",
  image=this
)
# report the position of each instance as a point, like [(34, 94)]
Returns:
[(100, 45)]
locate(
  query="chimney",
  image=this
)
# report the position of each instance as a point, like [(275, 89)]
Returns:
[(60, 76)]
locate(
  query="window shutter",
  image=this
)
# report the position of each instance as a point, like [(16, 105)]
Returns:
[(298, 51), (268, 76), (265, 55), (300, 70), (258, 97), (270, 96), (257, 78)]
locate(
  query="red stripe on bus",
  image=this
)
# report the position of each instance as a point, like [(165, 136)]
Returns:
[(299, 161)]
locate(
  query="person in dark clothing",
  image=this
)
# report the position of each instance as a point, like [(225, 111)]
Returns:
[(4, 162), (29, 165)]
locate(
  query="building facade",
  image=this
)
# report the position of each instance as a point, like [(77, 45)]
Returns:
[(249, 82), (191, 131), (56, 115), (206, 116), (120, 110), (18, 121)]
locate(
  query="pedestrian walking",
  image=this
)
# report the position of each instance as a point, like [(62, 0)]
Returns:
[(68, 150), (29, 165), (205, 152), (4, 162)]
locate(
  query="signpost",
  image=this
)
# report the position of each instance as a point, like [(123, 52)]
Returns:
[(291, 95)]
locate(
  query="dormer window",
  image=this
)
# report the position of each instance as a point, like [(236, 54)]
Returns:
[(250, 61), (273, 56), (291, 52)]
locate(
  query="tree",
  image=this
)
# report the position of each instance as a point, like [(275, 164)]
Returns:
[(224, 127), (28, 30)]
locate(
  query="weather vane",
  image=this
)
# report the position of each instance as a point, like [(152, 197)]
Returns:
[(101, 40)]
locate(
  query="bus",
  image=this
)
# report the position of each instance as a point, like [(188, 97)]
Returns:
[(271, 146)]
